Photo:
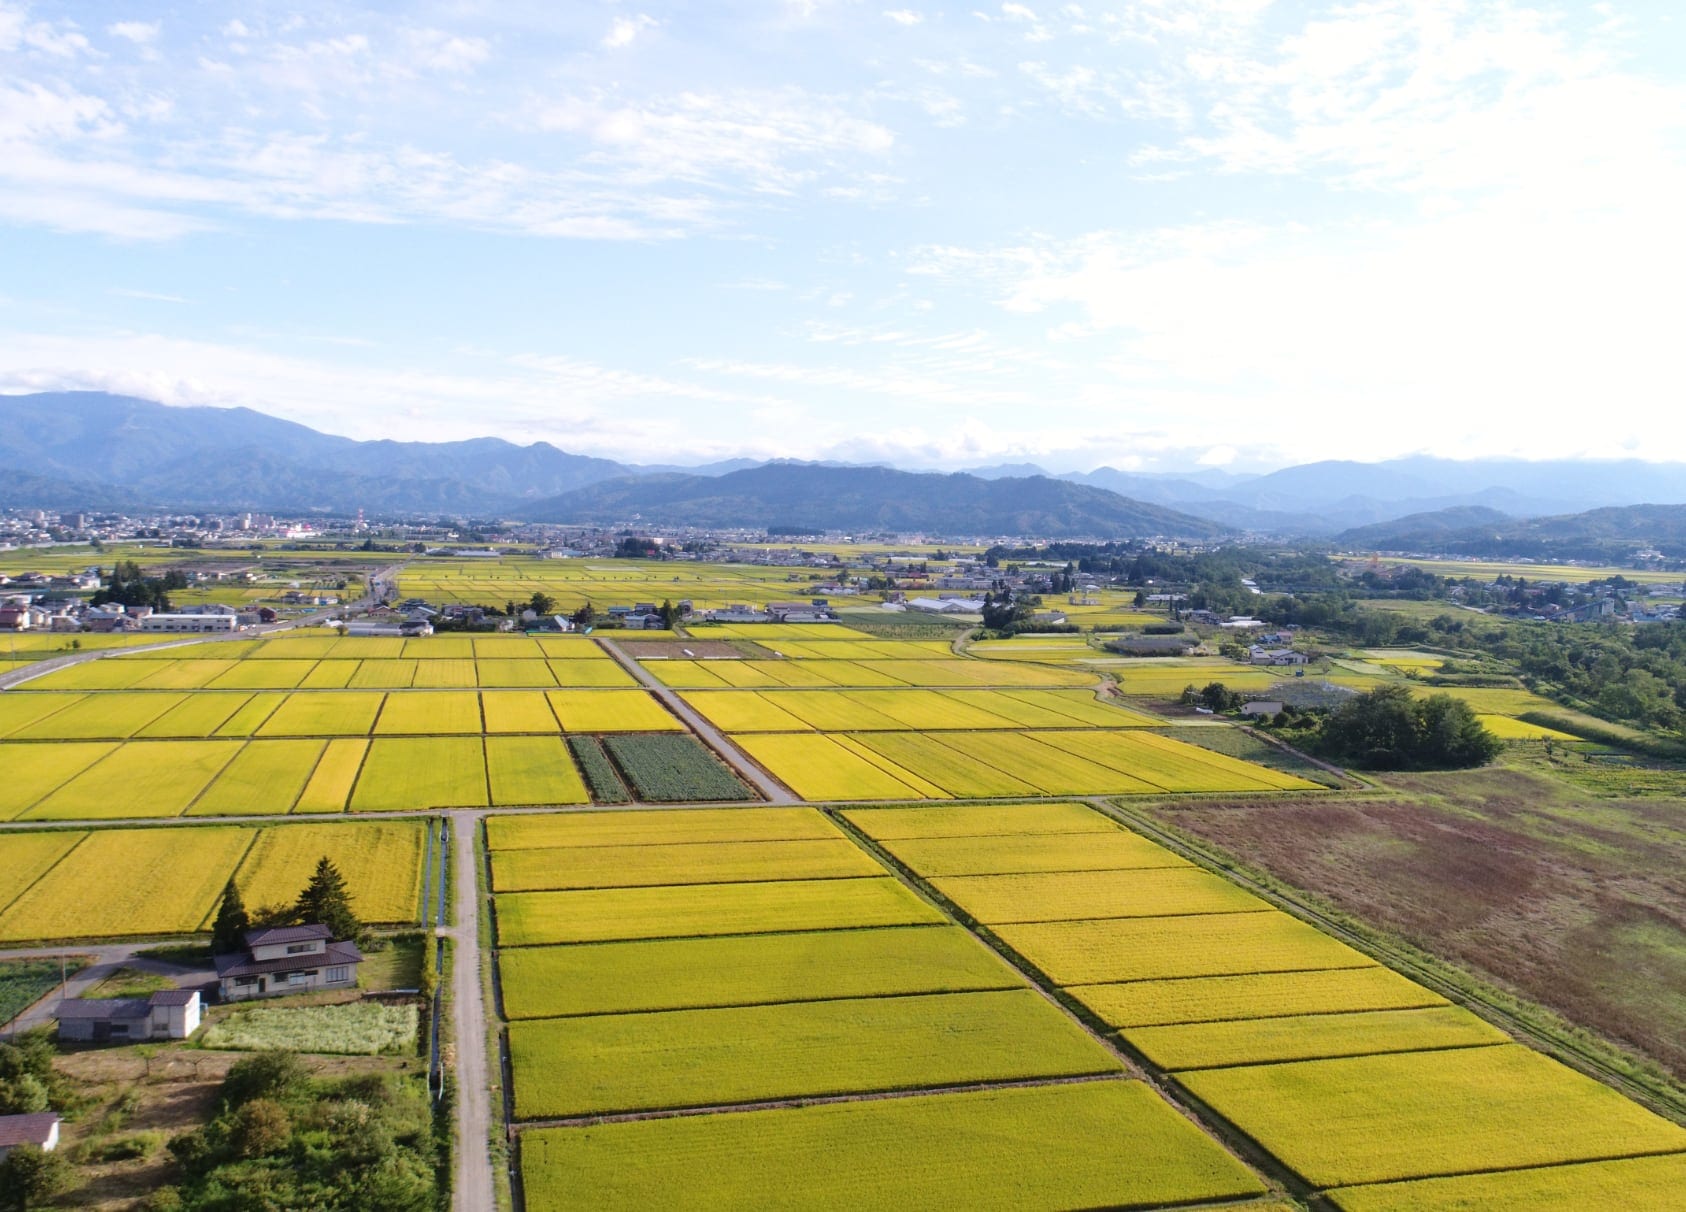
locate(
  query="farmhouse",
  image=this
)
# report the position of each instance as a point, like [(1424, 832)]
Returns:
[(288, 959), (167, 1014), (1276, 656), (40, 1129)]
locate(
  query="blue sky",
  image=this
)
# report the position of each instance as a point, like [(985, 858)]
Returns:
[(1159, 235)]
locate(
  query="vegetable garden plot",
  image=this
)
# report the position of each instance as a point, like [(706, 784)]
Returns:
[(140, 778), (966, 820), (1075, 895), (349, 714), (647, 828), (336, 773), (34, 770), (1115, 850), (1638, 1182), (924, 1151), (742, 970), (115, 716), (381, 862), (264, 778), (528, 918), (1267, 1041), (950, 770), (590, 673), (667, 769), (517, 711), (817, 768), (611, 711), (1408, 1115), (678, 863), (531, 674), (25, 857), (402, 773), (601, 777), (1160, 948), (149, 882), (1253, 996), (527, 770), (692, 1058), (434, 713)]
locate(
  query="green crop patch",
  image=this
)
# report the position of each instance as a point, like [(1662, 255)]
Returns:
[(600, 775), (656, 828), (745, 970), (1266, 1041), (1052, 896), (1372, 1119), (1161, 948), (924, 1151), (667, 769), (979, 820), (1636, 1182), (695, 1058), (678, 863), (527, 918), (1211, 999), (996, 855)]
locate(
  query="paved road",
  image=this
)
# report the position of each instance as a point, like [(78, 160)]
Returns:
[(472, 1189), (775, 791), (107, 960)]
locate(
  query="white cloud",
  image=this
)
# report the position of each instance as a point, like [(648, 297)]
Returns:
[(141, 33), (904, 16), (148, 295), (623, 31)]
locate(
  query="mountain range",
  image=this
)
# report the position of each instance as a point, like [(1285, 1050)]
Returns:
[(67, 450)]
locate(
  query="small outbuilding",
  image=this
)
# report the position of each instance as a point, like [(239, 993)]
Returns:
[(166, 1014), (40, 1129)]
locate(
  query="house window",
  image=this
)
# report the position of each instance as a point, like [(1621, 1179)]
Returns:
[(241, 982), (338, 976), (300, 948)]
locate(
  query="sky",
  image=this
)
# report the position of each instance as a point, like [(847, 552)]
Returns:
[(1161, 236)]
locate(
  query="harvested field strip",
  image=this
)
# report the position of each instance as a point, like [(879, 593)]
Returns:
[(1268, 1041), (668, 769), (612, 711), (439, 712), (590, 673), (445, 674), (101, 717), (958, 773), (817, 768), (745, 970), (678, 863), (518, 711), (384, 675), (693, 1058), (1408, 1115), (381, 862), (32, 771), (1054, 896), (526, 770), (330, 675), (926, 1151), (1084, 708), (28, 857), (1638, 1182), (656, 828), (734, 712), (1159, 948), (1114, 850), (20, 709), (252, 714), (402, 773), (965, 820), (183, 675), (1047, 761), (198, 716), (142, 778), (262, 675), (150, 881), (264, 778), (924, 787), (335, 775), (349, 714), (1213, 999), (527, 918), (599, 772), (516, 673)]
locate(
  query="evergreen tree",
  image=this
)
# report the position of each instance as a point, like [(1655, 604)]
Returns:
[(327, 900), (232, 921)]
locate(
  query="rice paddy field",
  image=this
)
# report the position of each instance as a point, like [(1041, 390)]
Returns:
[(115, 883)]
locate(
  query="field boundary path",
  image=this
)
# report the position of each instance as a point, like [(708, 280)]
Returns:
[(472, 1186), (775, 791)]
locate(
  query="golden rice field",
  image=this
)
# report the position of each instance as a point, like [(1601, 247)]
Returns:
[(819, 768), (264, 778), (405, 773), (381, 861), (932, 673), (917, 710), (1372, 1119), (1053, 896), (678, 863), (974, 820), (335, 775), (524, 770), (1253, 995), (1636, 1182), (998, 854), (611, 828), (611, 711), (1507, 729), (143, 778), (1268, 1041)]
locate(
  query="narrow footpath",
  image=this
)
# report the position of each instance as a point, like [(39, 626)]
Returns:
[(472, 1189)]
